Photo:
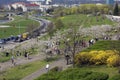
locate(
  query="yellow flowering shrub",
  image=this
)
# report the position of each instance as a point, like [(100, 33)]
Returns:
[(107, 57), (113, 60), (82, 58), (92, 54), (100, 58)]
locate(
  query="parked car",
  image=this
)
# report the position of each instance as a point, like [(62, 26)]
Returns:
[(2, 41)]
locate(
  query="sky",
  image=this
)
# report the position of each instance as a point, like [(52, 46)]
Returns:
[(35, 0)]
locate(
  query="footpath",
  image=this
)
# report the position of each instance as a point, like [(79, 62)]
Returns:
[(60, 63), (20, 61)]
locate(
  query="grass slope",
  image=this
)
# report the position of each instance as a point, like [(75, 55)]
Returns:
[(81, 19), (18, 26), (105, 45), (20, 71), (83, 73)]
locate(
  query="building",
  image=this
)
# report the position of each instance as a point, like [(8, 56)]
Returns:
[(19, 4), (32, 6), (110, 2), (25, 6)]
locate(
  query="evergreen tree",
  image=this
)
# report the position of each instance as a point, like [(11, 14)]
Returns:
[(116, 9), (59, 24)]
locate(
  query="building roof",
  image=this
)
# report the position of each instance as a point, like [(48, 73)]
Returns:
[(31, 5), (19, 3), (26, 4)]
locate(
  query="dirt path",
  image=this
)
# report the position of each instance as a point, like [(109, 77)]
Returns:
[(21, 61), (61, 63)]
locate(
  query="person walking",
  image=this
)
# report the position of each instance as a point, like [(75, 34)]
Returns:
[(13, 61), (47, 67)]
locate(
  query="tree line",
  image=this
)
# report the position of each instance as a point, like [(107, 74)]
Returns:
[(94, 9)]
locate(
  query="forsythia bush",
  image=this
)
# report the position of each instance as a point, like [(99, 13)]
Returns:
[(108, 57), (113, 60)]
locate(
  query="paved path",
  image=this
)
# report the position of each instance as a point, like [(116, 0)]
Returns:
[(116, 36), (21, 61), (60, 63)]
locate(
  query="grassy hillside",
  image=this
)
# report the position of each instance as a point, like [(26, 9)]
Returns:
[(84, 20), (105, 45), (20, 71), (18, 26), (83, 73), (22, 21)]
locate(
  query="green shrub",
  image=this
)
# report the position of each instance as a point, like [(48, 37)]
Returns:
[(97, 76), (48, 76), (74, 74), (56, 69), (116, 77)]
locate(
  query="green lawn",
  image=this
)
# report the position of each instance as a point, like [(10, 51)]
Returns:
[(105, 45), (4, 59), (7, 32), (82, 73), (21, 21), (18, 26), (20, 71), (104, 69), (81, 19)]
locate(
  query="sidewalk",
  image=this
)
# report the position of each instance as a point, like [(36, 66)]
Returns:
[(21, 60), (60, 63)]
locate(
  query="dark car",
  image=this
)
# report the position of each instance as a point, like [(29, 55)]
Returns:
[(8, 39), (2, 41), (15, 39)]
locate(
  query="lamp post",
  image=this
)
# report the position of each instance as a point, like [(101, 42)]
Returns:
[(19, 28)]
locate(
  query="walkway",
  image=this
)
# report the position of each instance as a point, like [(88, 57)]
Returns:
[(60, 63), (21, 61)]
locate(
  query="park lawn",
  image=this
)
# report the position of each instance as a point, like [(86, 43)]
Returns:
[(111, 71), (7, 32), (22, 21), (20, 71), (105, 45), (77, 20), (80, 73), (47, 18), (83, 20), (4, 59), (18, 26)]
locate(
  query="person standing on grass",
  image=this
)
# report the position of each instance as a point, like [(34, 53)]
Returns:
[(12, 59), (26, 54)]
